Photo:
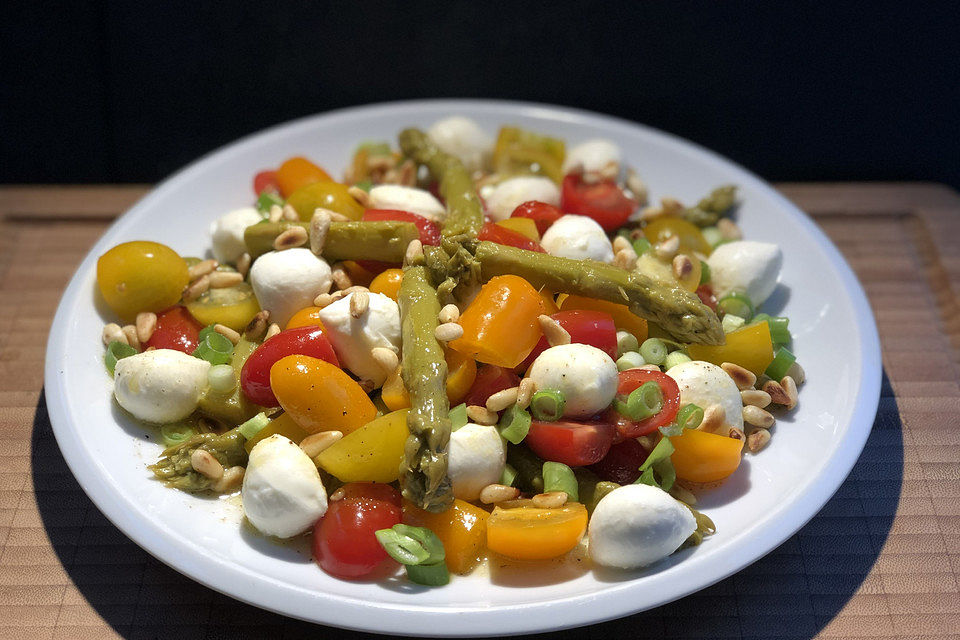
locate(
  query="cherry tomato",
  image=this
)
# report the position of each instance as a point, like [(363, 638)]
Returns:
[(540, 212), (141, 276), (429, 230), (630, 380), (501, 235), (388, 283), (344, 540), (490, 379), (255, 375), (705, 292), (622, 462), (265, 181), (298, 172), (320, 396), (701, 456), (595, 328), (176, 329), (603, 201), (306, 317), (373, 490), (665, 227), (531, 533), (575, 444)]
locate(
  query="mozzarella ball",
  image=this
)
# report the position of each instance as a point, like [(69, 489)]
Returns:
[(410, 199), (592, 156), (579, 238), (282, 492), (227, 233), (287, 281), (160, 386), (463, 138), (636, 525), (585, 375), (746, 266), (511, 193), (353, 339), (476, 458), (703, 384)]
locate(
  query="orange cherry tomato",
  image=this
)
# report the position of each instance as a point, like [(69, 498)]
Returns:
[(500, 326), (700, 456), (359, 274), (319, 396), (531, 533), (298, 172), (306, 317), (623, 318), (462, 529), (549, 301), (388, 283), (750, 347), (461, 372)]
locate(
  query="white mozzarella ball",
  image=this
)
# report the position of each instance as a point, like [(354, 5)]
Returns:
[(282, 492), (746, 266), (410, 199), (512, 192), (463, 138), (353, 339), (227, 233), (160, 386), (287, 281), (703, 384), (579, 238), (636, 525), (476, 458), (585, 375), (593, 156)]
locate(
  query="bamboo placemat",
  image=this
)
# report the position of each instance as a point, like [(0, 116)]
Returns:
[(881, 559)]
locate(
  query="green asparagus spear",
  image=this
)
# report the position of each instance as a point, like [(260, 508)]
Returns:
[(382, 240), (174, 467), (676, 310), (712, 207), (423, 473), (464, 213)]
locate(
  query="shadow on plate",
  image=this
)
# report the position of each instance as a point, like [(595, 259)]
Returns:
[(794, 591)]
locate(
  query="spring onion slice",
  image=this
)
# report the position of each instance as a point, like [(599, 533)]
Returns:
[(514, 424), (641, 245), (458, 417), (630, 360), (214, 348), (738, 304), (174, 434), (654, 351), (782, 362), (266, 201), (643, 402), (547, 405), (626, 343), (509, 475), (559, 477), (253, 426), (674, 358), (658, 464), (429, 575), (704, 272), (222, 378), (779, 327), (689, 416), (116, 350), (411, 545)]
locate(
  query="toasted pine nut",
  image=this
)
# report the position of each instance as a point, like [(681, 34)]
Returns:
[(778, 394), (552, 331), (323, 300), (319, 227), (448, 331), (289, 213), (683, 495), (620, 243), (257, 326), (227, 333), (291, 238), (790, 388), (146, 324), (360, 196), (729, 229), (230, 480), (340, 278), (550, 500), (755, 397), (130, 332), (243, 264), (682, 266), (625, 258), (502, 399), (494, 493), (359, 303), (636, 186), (758, 439), (743, 378), (797, 373), (481, 415), (386, 358), (272, 330), (205, 464), (315, 443), (414, 253), (113, 333), (202, 268), (525, 392), (668, 248), (196, 288), (651, 213), (736, 434), (713, 418), (449, 313), (337, 495), (757, 417), (224, 279), (647, 442), (276, 213), (648, 367)]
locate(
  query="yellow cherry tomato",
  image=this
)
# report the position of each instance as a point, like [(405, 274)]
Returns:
[(700, 456), (388, 283), (328, 195), (524, 226), (141, 276), (296, 173), (623, 318), (549, 303), (393, 393), (281, 425), (664, 227), (306, 317), (461, 372), (500, 326), (689, 279), (519, 152), (531, 533), (462, 529), (372, 453), (750, 347), (320, 396), (231, 306)]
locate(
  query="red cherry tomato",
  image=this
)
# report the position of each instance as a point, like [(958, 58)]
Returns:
[(622, 462), (429, 230), (305, 341), (630, 380), (501, 235), (541, 213), (595, 328), (575, 444), (265, 181), (176, 329), (490, 379), (373, 490), (344, 540), (705, 292), (603, 201)]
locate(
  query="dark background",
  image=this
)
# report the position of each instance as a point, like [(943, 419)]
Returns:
[(128, 92)]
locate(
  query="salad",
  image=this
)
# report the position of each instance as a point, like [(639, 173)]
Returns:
[(468, 347)]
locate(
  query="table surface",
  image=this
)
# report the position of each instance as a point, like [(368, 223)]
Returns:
[(880, 560)]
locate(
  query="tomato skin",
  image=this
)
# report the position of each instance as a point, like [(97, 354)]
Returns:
[(622, 462), (493, 232), (630, 380), (265, 181), (705, 293), (176, 329), (344, 544), (595, 328), (575, 444), (429, 230), (490, 379), (603, 201), (255, 375), (540, 212), (373, 490)]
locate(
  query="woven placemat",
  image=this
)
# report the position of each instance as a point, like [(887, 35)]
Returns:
[(880, 560)]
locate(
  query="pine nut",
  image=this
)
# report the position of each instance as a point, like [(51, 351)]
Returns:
[(386, 358), (755, 397), (291, 238), (340, 278), (276, 213), (337, 495), (648, 367), (113, 333), (481, 415), (736, 434), (797, 373), (758, 439), (790, 387), (502, 399), (757, 417), (205, 464), (625, 258), (728, 229), (550, 500), (620, 243), (146, 324), (414, 253), (449, 313), (319, 227), (196, 289), (668, 248), (323, 300), (552, 331), (230, 481), (713, 418), (315, 443), (360, 196), (130, 333), (272, 330), (647, 442), (778, 394), (637, 186), (257, 326), (743, 378), (202, 268), (224, 279), (671, 206), (525, 392), (359, 303), (682, 266), (651, 213), (243, 264), (290, 214), (448, 331), (227, 333), (494, 493)]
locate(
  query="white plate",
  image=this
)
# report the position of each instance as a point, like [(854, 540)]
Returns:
[(771, 496)]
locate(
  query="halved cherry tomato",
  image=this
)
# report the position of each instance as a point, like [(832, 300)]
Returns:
[(700, 456), (621, 314), (298, 172), (575, 444), (344, 540), (176, 329), (265, 181), (306, 317), (664, 227), (524, 226), (705, 293), (429, 230), (372, 490), (630, 380), (501, 235), (490, 379), (622, 462), (603, 201), (461, 372), (320, 396), (585, 327), (540, 212), (388, 283), (462, 529), (530, 533), (751, 347), (255, 375)]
